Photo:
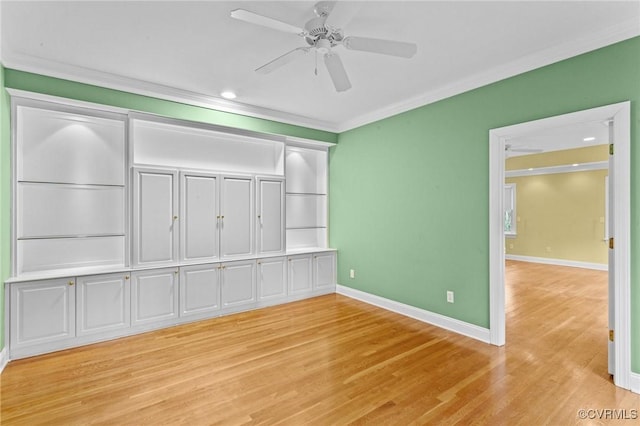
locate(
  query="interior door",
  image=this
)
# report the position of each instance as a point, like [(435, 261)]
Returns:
[(611, 227)]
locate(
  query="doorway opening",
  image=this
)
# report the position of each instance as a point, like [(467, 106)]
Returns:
[(619, 260)]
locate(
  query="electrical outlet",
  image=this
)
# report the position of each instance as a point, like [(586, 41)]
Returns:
[(352, 273), (450, 296)]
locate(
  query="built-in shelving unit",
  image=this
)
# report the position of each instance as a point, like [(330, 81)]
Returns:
[(128, 222), (306, 171)]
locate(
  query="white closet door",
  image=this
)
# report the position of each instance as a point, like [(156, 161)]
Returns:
[(155, 195), (199, 289), (300, 274), (42, 312), (271, 224), (324, 270), (238, 283), (199, 217), (59, 146), (236, 217), (154, 296), (272, 278), (104, 303)]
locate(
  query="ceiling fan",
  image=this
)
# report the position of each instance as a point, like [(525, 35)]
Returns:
[(322, 34)]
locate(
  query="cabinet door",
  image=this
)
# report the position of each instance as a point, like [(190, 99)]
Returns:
[(104, 303), (236, 217), (238, 283), (154, 296), (324, 270), (272, 278), (270, 229), (199, 289), (199, 217), (300, 277), (42, 312), (155, 216)]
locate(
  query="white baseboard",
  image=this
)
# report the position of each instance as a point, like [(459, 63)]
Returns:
[(559, 262), (634, 380), (4, 358), (451, 324)]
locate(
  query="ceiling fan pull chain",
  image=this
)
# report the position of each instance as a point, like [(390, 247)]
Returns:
[(316, 70)]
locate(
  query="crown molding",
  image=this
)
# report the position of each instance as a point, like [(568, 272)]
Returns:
[(50, 68), (614, 34), (596, 40)]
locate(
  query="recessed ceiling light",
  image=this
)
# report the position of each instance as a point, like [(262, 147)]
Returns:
[(589, 139), (575, 164), (228, 94)]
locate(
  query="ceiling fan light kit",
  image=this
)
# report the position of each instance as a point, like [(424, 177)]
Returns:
[(323, 33)]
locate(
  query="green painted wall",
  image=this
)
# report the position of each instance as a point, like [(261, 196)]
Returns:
[(409, 194)]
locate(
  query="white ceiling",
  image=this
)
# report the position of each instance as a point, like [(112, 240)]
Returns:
[(191, 51)]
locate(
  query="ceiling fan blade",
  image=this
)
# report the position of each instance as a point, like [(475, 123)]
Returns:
[(265, 21), (337, 72), (341, 14), (283, 60), (385, 47)]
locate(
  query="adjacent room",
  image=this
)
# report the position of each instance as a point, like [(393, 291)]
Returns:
[(328, 212)]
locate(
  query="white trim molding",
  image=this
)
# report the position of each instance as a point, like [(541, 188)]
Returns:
[(4, 358), (620, 172), (635, 382), (566, 168), (559, 262), (451, 324)]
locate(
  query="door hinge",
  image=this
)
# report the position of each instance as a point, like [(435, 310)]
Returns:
[(611, 243), (611, 335), (610, 149)]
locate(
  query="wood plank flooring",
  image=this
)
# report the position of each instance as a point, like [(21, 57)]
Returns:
[(332, 360)]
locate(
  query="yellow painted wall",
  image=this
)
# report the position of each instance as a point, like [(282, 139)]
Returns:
[(561, 215)]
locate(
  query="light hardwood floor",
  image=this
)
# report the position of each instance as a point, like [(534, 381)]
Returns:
[(333, 360)]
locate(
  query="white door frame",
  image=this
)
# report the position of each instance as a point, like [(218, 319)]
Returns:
[(620, 113)]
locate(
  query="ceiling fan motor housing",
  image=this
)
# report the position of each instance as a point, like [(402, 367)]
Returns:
[(317, 31)]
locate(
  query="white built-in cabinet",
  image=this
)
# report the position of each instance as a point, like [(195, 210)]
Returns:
[(272, 278), (103, 303), (154, 296), (42, 314), (155, 219), (124, 223)]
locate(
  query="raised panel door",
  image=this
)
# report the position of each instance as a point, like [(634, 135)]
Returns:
[(271, 216), (299, 274), (42, 312), (155, 216), (199, 289), (238, 283), (324, 270), (104, 303), (236, 217), (199, 217), (154, 296), (272, 278)]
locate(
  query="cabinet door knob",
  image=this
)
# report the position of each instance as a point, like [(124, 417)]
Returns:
[(175, 218), (222, 217), (126, 277), (71, 282)]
